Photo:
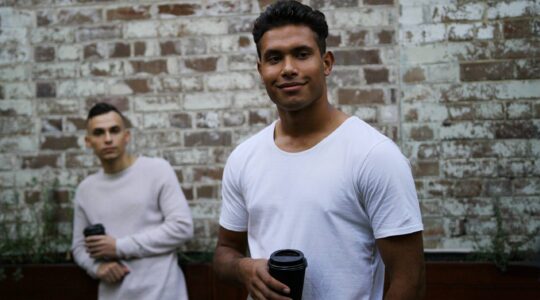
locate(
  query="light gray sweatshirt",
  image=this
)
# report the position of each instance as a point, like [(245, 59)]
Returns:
[(144, 208)]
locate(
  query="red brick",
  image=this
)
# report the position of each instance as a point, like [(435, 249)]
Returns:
[(170, 48), (140, 48), (154, 67), (466, 188), (121, 50), (214, 138), (385, 37), (129, 13), (44, 54), (2, 95), (59, 143), (376, 75), (122, 103), (78, 17), (207, 64), (207, 191), (45, 90), (40, 161), (333, 40), (188, 192), (529, 70), (257, 118), (51, 125), (487, 71), (179, 9), (180, 120), (357, 96), (425, 168), (357, 57), (421, 133), (516, 130), (411, 115), (139, 86), (414, 75), (207, 173), (517, 29), (44, 18), (91, 52), (76, 123), (379, 2), (32, 197)]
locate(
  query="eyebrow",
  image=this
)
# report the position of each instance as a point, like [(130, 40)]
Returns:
[(294, 50)]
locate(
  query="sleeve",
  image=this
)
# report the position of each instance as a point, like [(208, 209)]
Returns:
[(388, 192), (175, 230), (234, 214), (80, 221)]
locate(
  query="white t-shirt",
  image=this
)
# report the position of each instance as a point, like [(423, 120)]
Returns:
[(331, 202)]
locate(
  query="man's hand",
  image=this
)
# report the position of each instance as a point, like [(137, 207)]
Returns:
[(260, 285), (101, 246), (112, 272)]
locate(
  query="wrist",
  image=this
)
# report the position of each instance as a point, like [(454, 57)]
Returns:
[(242, 268)]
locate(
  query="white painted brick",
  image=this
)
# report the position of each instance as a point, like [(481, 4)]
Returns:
[(169, 28), (443, 73), (388, 114), (202, 101), (68, 52), (466, 131), (230, 81), (188, 156), (157, 103), (17, 144), (172, 66), (19, 90), (468, 12), (13, 73), (197, 27), (255, 98), (427, 112), (353, 18), (80, 88), (209, 120), (411, 15), (428, 33), (18, 107), (118, 87), (60, 35), (11, 18), (513, 9), (141, 29), (13, 35), (489, 110), (222, 44), (57, 106), (518, 110), (155, 120), (423, 93), (518, 89), (111, 68)]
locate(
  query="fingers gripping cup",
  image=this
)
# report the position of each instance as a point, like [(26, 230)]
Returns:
[(95, 229), (289, 267)]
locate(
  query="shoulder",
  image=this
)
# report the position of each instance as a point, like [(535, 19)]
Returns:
[(253, 144), (88, 184)]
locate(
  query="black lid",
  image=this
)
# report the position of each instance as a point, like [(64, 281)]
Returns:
[(287, 257)]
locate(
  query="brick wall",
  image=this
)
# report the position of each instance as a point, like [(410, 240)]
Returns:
[(454, 83)]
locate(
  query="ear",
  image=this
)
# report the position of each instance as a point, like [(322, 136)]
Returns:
[(328, 62), (259, 66), (127, 136), (87, 141)]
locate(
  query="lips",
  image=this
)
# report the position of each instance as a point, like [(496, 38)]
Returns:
[(290, 86)]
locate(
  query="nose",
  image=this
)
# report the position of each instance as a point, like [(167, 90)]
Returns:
[(108, 137), (289, 67)]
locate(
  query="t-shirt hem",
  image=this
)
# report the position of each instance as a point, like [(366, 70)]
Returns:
[(399, 231), (232, 227)]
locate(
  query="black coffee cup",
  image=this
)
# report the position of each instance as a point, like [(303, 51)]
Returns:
[(289, 267), (95, 229)]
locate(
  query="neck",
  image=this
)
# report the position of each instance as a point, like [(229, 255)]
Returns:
[(117, 165), (307, 121)]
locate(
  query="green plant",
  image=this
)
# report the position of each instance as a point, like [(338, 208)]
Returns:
[(501, 250), (30, 233)]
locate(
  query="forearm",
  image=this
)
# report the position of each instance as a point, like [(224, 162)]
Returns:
[(227, 264), (405, 289)]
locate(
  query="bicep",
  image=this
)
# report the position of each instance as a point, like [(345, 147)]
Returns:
[(235, 240), (402, 252)]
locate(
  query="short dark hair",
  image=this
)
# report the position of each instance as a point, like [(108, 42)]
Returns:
[(101, 108), (289, 12)]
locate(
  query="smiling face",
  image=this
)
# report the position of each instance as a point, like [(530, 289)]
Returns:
[(107, 136), (292, 68)]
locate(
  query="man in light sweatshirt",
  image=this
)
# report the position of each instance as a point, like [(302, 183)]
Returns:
[(145, 214)]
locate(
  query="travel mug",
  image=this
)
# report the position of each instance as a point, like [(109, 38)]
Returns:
[(95, 229), (289, 267)]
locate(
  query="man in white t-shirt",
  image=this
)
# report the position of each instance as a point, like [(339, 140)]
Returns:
[(317, 180)]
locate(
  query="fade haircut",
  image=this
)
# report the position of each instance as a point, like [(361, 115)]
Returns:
[(289, 12), (101, 108)]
